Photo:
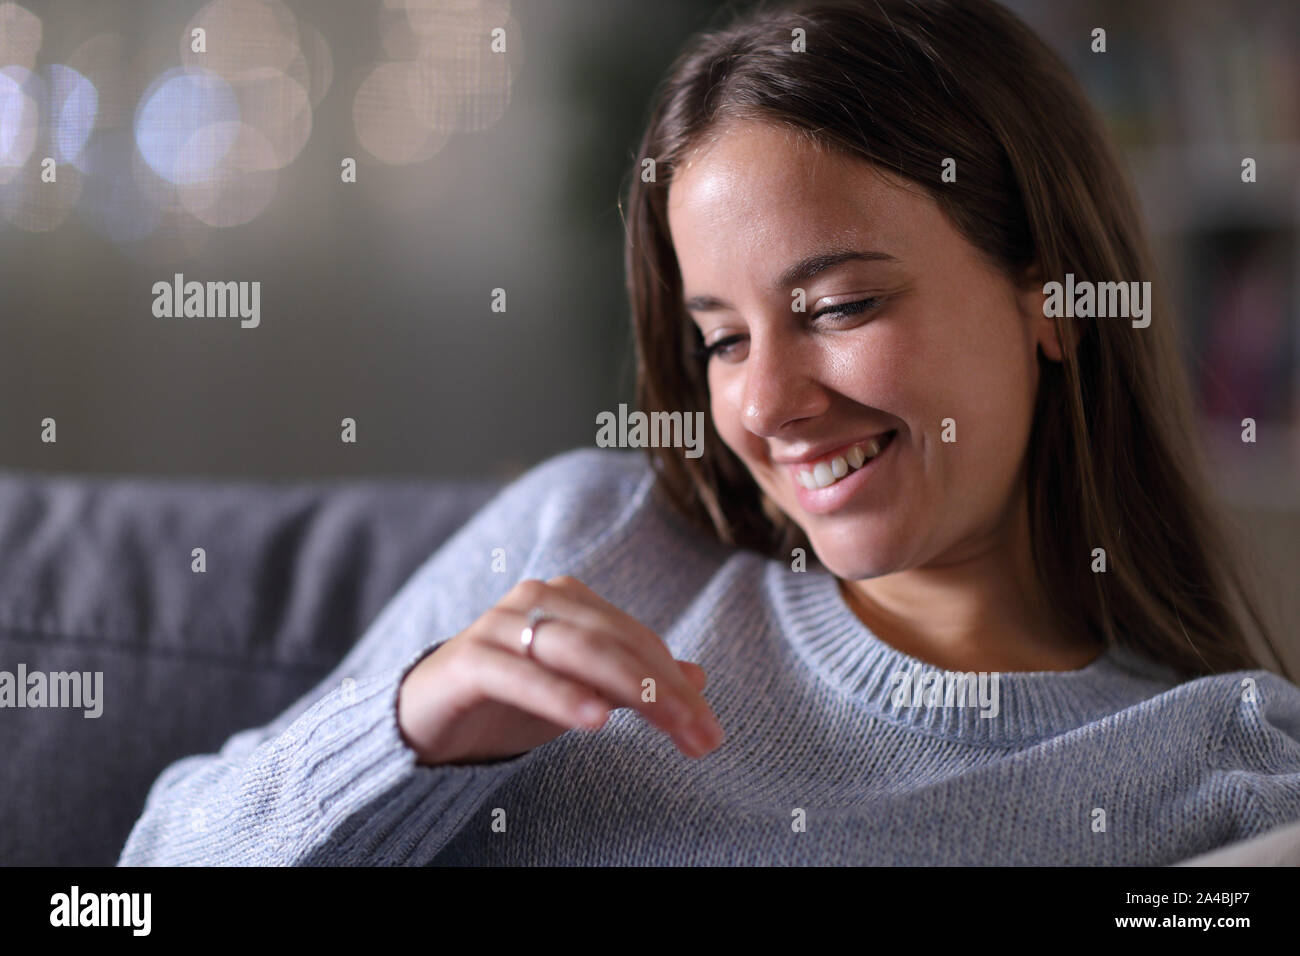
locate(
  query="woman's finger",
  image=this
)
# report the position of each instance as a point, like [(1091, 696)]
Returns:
[(524, 683), (568, 599), (614, 670)]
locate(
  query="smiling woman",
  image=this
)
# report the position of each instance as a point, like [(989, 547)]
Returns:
[(921, 330), (1023, 640), (1023, 440)]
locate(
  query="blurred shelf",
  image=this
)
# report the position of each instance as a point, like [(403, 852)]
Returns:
[(1195, 188), (1264, 475)]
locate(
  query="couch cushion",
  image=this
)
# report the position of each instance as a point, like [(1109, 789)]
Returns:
[(96, 576)]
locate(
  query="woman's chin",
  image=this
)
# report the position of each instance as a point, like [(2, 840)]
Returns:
[(854, 564)]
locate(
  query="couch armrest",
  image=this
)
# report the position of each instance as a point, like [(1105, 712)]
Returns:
[(98, 575)]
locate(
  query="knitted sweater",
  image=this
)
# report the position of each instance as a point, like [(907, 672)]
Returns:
[(839, 749)]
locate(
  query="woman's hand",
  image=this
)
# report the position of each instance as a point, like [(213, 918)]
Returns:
[(479, 697)]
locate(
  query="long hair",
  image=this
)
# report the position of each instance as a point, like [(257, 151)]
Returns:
[(1113, 457)]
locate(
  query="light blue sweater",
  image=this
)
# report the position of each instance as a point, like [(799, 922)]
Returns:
[(824, 761)]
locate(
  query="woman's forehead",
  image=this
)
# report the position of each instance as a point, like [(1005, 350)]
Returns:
[(757, 174)]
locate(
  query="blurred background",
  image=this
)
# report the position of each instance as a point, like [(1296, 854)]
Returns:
[(481, 169)]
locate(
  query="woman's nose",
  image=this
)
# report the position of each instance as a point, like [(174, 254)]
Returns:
[(780, 386)]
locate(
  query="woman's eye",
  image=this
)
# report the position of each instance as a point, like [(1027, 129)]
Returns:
[(725, 346), (851, 308), (722, 347)]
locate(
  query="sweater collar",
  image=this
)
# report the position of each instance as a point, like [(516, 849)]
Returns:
[(1021, 706)]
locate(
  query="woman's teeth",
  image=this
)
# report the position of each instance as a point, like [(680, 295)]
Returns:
[(828, 472)]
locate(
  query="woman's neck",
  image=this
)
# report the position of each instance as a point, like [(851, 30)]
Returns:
[(984, 612)]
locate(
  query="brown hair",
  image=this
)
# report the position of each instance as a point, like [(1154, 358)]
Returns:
[(1113, 460)]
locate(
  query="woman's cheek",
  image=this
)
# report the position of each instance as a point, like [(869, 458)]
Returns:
[(875, 375), (726, 421)]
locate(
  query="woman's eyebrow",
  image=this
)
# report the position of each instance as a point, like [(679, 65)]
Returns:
[(801, 271)]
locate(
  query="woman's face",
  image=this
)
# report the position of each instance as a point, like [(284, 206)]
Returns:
[(911, 340)]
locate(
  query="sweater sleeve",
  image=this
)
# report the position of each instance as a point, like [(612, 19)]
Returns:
[(1263, 738), (331, 781)]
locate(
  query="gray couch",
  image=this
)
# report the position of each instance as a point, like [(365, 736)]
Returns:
[(97, 575)]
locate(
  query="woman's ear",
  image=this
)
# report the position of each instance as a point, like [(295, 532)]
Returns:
[(1042, 327)]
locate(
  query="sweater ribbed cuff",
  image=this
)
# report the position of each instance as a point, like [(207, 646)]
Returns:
[(375, 801)]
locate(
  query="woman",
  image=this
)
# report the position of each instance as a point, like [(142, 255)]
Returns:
[(949, 563)]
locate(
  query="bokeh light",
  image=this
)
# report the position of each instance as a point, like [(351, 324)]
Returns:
[(73, 104), (315, 63), (242, 187), (184, 127), (45, 118), (19, 119), (154, 138), (103, 61), (277, 109), (446, 73), (389, 119), (242, 35), (20, 36)]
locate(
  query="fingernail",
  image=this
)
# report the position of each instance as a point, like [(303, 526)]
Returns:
[(709, 728), (714, 729), (697, 741)]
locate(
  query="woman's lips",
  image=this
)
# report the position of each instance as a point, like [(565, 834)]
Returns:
[(822, 500), (824, 469)]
